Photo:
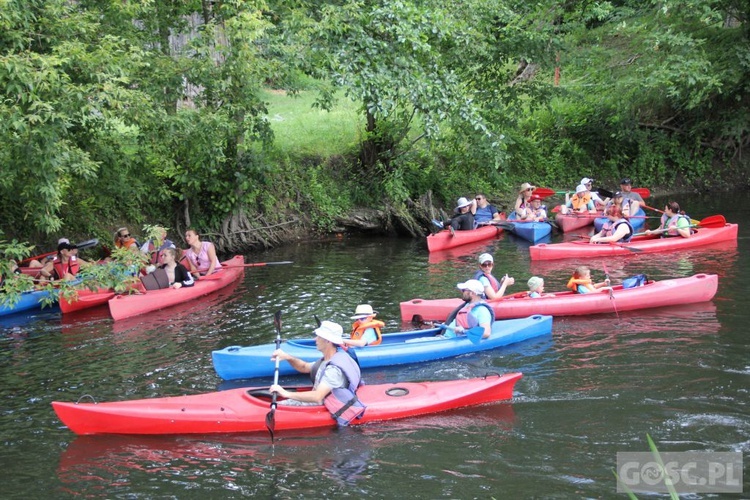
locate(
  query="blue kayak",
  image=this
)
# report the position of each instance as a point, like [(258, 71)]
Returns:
[(28, 300), (416, 346), (530, 231), (637, 221)]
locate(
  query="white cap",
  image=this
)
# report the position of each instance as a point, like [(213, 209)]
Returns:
[(586, 180), (63, 240), (331, 332), (485, 257), (472, 285), (581, 189)]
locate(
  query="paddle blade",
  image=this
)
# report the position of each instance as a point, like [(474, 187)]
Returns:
[(544, 192), (604, 192), (271, 417), (475, 334), (714, 221), (317, 319), (644, 192), (277, 322)]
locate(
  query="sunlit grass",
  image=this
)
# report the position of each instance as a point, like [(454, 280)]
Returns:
[(302, 130)]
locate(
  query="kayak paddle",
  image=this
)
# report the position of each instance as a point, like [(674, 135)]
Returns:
[(611, 293), (271, 415), (81, 246), (544, 192), (474, 334), (258, 264), (692, 221), (712, 221), (644, 192)]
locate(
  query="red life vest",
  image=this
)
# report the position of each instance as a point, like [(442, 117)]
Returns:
[(61, 269)]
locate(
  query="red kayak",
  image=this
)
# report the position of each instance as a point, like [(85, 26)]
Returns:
[(85, 299), (245, 410), (665, 293), (127, 306), (571, 222), (639, 244), (445, 239)]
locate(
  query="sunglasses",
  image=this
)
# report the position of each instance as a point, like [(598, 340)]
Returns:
[(487, 264), (529, 189), (478, 198), (125, 235)]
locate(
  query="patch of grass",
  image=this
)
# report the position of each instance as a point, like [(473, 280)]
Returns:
[(302, 130)]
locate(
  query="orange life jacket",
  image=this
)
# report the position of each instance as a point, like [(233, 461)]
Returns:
[(574, 283), (579, 202), (359, 327)]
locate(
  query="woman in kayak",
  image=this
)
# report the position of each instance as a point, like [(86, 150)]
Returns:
[(365, 329), (493, 288), (124, 240), (523, 202), (178, 274), (674, 222), (617, 230), (581, 281), (335, 376), (201, 255)]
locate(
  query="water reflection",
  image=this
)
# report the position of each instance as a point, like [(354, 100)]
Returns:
[(345, 457)]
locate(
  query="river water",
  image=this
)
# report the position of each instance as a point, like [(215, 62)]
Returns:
[(597, 386)]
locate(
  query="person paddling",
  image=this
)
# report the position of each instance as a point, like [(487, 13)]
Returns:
[(674, 222), (581, 281), (476, 312), (618, 229), (335, 376)]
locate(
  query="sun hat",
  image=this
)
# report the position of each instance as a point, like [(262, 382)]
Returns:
[(586, 180), (526, 186), (462, 202), (331, 332), (486, 257), (581, 189), (626, 180), (363, 310), (534, 283), (471, 285)]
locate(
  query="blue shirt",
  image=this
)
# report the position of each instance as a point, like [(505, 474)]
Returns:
[(485, 214)]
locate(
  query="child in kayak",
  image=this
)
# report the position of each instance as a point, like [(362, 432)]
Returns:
[(536, 288), (581, 282)]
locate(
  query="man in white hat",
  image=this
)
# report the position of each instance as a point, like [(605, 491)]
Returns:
[(335, 376), (476, 312), (365, 329)]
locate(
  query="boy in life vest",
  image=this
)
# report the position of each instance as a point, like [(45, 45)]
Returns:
[(581, 281), (365, 329), (335, 376)]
